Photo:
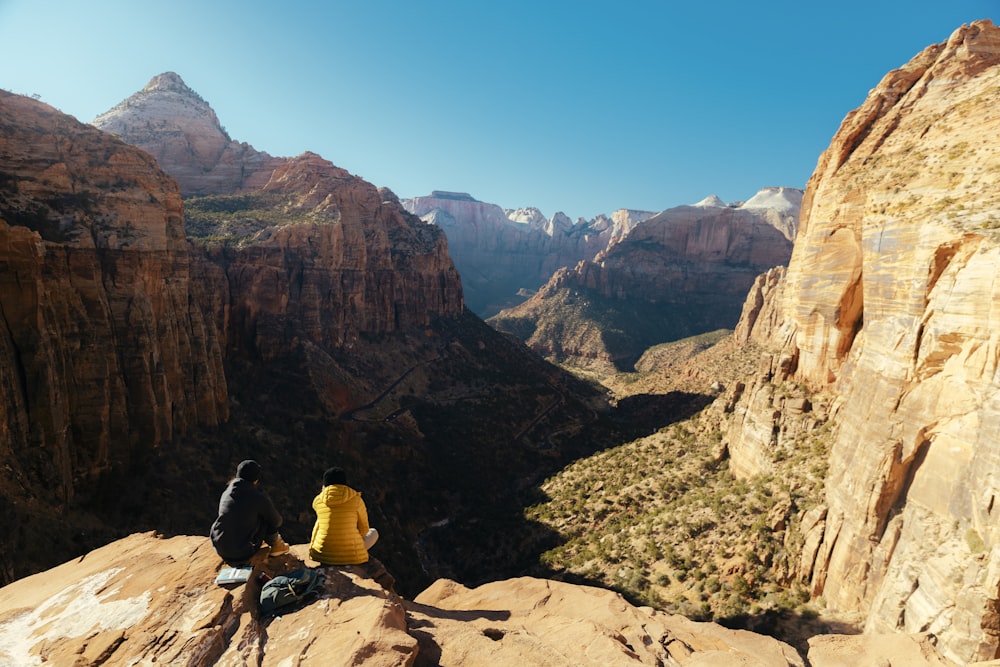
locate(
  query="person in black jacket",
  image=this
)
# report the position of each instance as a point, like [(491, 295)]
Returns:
[(247, 519)]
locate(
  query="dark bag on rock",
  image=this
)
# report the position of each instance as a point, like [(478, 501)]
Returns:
[(289, 588)]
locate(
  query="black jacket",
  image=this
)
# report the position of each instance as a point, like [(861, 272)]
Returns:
[(246, 517)]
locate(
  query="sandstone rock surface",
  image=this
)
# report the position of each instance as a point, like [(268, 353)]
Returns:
[(147, 599), (899, 650), (890, 303), (102, 333), (536, 621)]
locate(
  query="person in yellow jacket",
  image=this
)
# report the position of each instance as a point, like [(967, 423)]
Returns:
[(341, 535)]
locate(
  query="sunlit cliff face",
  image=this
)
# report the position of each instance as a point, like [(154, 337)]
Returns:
[(891, 301)]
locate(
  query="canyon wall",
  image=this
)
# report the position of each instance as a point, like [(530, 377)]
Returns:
[(362, 266), (106, 352), (890, 306), (116, 330), (343, 258)]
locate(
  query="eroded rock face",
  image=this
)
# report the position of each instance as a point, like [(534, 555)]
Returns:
[(103, 336), (891, 301), (504, 255), (175, 125), (366, 266)]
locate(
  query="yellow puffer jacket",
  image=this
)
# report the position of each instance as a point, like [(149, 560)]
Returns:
[(341, 521)]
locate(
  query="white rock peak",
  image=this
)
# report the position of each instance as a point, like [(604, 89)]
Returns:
[(711, 201), (786, 200)]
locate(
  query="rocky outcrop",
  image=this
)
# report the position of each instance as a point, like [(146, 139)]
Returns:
[(682, 272), (889, 304), (503, 256), (147, 599), (176, 126)]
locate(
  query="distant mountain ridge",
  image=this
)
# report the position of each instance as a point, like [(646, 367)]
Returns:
[(682, 272), (504, 255)]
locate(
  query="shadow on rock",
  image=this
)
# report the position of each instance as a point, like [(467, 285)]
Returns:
[(643, 414)]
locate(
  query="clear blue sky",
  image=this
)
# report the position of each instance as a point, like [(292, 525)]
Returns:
[(583, 107)]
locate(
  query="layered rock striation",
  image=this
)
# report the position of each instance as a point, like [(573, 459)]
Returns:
[(505, 255), (107, 353), (889, 304), (349, 263), (682, 272)]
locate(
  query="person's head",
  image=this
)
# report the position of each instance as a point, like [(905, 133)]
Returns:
[(248, 470), (334, 475)]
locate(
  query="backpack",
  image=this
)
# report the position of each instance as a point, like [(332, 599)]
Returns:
[(289, 588)]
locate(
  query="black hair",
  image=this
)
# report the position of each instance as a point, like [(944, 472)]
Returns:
[(334, 475)]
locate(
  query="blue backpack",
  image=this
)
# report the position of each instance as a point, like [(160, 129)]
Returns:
[(289, 588)]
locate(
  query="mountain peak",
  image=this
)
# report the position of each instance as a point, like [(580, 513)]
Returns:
[(711, 201), (175, 125), (169, 81), (786, 200), (167, 101)]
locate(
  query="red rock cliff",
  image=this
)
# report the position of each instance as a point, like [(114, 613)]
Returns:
[(105, 353), (364, 266)]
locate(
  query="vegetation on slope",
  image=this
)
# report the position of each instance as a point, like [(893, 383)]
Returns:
[(584, 329), (236, 220), (664, 521)]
